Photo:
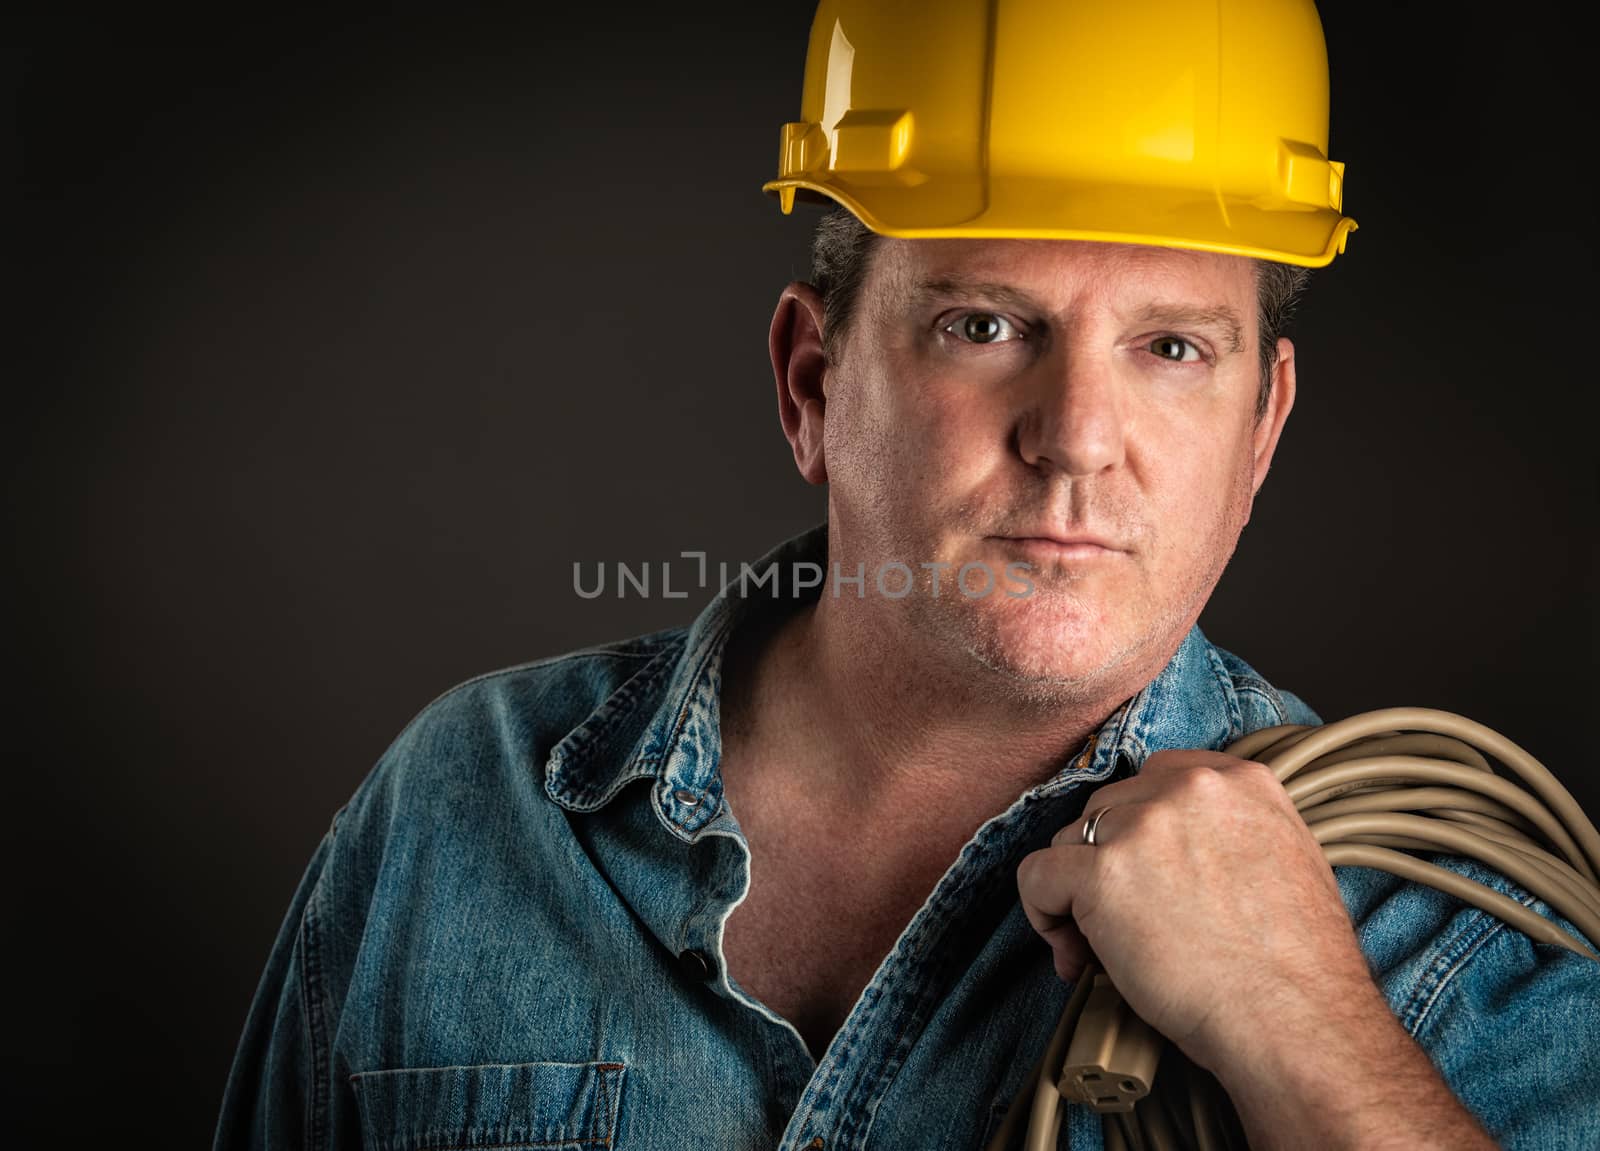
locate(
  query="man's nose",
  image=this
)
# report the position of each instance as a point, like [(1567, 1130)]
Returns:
[(1073, 418)]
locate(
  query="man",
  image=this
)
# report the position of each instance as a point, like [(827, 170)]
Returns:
[(815, 871)]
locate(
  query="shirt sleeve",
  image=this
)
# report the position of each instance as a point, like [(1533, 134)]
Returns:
[(276, 1090), (1515, 1032), (1297, 710)]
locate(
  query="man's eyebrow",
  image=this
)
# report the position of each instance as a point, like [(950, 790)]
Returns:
[(1219, 318), (938, 288)]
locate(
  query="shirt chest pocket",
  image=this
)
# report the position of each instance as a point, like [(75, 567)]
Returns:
[(505, 1106)]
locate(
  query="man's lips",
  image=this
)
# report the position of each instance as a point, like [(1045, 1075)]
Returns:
[(1070, 544)]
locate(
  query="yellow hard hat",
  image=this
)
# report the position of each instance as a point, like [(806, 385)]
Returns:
[(1168, 122)]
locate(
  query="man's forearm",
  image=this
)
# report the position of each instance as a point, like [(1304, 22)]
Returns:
[(1349, 1077)]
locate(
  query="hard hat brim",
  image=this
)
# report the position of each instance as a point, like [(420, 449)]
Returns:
[(1045, 210)]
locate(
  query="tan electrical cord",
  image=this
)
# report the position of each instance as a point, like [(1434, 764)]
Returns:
[(1371, 788)]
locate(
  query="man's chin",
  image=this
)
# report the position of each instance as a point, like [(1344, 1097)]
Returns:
[(1048, 649), (1044, 669)]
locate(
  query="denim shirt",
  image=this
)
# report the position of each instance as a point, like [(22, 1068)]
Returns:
[(511, 936)]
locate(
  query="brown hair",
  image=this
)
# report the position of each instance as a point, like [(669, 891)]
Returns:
[(842, 246)]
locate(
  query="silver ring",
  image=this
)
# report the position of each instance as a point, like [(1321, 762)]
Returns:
[(1090, 824)]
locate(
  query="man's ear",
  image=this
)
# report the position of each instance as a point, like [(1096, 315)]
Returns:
[(795, 343), (1264, 440)]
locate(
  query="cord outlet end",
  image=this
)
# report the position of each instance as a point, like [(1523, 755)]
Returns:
[(1111, 1063)]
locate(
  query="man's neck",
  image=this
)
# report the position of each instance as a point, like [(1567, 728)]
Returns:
[(862, 716)]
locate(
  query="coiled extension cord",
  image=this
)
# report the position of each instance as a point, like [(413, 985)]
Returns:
[(1371, 788)]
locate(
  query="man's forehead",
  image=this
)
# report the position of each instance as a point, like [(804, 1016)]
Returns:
[(1034, 265)]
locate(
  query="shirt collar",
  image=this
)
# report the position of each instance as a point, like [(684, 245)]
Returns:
[(662, 723)]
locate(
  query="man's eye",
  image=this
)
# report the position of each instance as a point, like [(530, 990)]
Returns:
[(1175, 349), (982, 328)]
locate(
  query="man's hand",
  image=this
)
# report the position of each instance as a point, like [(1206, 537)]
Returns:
[(1212, 908), (1205, 898)]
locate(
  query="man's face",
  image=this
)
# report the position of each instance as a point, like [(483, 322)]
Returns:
[(994, 392)]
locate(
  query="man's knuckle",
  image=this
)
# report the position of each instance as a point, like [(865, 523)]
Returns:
[(1027, 869), (1201, 780), (1255, 769)]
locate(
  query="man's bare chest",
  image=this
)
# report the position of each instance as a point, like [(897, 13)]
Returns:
[(820, 915), (806, 948)]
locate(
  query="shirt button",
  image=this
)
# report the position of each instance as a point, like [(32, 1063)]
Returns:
[(697, 965), (686, 797)]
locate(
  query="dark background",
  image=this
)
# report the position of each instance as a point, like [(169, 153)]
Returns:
[(342, 339)]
